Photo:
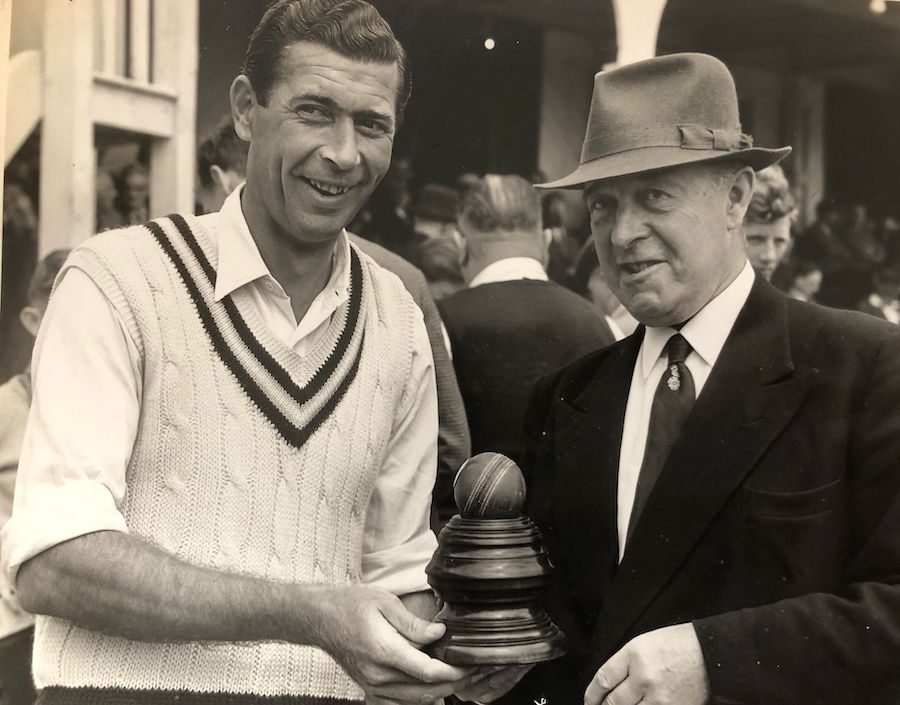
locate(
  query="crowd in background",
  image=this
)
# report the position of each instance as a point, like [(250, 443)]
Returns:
[(540, 301), (847, 258)]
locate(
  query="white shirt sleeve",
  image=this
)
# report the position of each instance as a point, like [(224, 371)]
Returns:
[(82, 425), (398, 541)]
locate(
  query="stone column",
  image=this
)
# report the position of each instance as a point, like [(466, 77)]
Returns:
[(637, 26)]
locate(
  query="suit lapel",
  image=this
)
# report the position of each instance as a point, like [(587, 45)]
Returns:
[(588, 438), (750, 395)]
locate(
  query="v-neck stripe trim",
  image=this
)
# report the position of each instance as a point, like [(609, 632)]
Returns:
[(295, 410)]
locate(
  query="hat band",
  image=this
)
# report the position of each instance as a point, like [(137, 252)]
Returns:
[(682, 136)]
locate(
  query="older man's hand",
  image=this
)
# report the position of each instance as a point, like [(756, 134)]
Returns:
[(662, 667)]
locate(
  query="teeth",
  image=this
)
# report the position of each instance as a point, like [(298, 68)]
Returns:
[(329, 188)]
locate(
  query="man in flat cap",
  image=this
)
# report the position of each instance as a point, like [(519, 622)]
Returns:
[(720, 491)]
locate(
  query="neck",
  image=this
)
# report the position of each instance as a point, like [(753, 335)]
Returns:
[(484, 254), (302, 268)]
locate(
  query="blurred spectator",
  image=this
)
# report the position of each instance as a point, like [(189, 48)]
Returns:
[(221, 166), (439, 260), (767, 224), (562, 246), (434, 212), (385, 219), (883, 301), (512, 325), (889, 234), (621, 323), (822, 243), (588, 281), (19, 258), (108, 215), (465, 181), (223, 157), (860, 237), (805, 280), (16, 625), (843, 245), (133, 202)]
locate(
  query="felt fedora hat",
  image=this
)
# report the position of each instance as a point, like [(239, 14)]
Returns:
[(662, 112)]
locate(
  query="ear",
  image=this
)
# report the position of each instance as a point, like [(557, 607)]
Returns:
[(460, 241), (243, 105), (30, 318), (546, 239), (225, 180), (740, 194)]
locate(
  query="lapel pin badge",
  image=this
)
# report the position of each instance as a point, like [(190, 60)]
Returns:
[(674, 381)]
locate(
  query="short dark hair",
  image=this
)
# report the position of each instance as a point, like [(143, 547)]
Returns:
[(803, 267), (438, 258), (352, 28), (223, 149), (502, 202)]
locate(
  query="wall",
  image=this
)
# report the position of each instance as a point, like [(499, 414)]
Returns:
[(27, 25), (760, 95), (805, 132), (787, 109), (569, 64)]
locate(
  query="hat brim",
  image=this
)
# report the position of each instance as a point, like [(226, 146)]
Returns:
[(635, 161)]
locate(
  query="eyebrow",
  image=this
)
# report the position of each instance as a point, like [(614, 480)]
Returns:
[(644, 177), (329, 102)]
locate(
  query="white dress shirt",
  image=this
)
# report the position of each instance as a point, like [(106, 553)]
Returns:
[(706, 332), (510, 269), (76, 451)]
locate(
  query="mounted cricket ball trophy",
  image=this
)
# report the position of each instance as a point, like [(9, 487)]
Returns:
[(490, 570)]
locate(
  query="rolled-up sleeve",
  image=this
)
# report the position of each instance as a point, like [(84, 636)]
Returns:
[(398, 541), (81, 426)]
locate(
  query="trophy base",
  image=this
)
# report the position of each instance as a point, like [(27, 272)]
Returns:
[(497, 637)]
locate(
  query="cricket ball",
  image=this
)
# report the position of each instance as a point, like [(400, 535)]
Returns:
[(489, 486)]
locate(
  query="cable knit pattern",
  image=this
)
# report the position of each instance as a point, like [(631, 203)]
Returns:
[(249, 458)]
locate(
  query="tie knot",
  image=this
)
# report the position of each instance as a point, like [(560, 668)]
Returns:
[(678, 348)]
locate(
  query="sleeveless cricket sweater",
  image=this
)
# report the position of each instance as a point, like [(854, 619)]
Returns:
[(249, 459)]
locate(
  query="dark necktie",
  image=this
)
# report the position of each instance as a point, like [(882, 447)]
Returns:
[(672, 403)]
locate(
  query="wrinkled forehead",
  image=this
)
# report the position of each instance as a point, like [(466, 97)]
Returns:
[(642, 178), (312, 67), (681, 178)]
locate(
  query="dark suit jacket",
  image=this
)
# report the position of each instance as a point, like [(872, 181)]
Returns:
[(454, 445), (507, 335), (774, 526)]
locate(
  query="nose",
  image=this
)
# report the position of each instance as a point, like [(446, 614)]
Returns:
[(768, 253), (628, 226), (342, 149)]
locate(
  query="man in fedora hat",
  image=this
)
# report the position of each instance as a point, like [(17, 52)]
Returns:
[(720, 491)]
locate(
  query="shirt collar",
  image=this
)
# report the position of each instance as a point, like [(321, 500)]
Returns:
[(240, 262), (707, 331), (509, 269)]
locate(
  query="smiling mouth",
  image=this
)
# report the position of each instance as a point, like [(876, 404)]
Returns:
[(638, 267), (326, 189)]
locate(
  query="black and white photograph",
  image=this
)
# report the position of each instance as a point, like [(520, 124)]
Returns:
[(433, 352)]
